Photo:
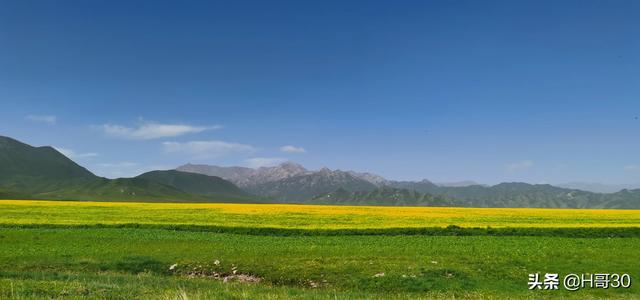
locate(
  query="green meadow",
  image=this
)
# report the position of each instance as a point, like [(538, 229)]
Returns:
[(75, 256)]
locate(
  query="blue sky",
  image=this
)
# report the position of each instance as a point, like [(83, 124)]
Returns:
[(535, 91)]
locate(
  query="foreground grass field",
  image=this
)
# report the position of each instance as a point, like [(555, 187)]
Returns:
[(56, 250)]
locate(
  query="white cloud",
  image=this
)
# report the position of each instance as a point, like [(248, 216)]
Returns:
[(150, 130), (292, 149), (519, 166), (47, 119), (258, 162), (73, 155), (632, 168), (204, 149)]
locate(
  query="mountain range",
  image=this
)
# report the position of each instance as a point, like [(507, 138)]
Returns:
[(28, 172), (598, 187), (291, 182), (503, 195)]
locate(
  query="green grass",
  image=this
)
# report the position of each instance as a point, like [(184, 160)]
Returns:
[(81, 250), (97, 262)]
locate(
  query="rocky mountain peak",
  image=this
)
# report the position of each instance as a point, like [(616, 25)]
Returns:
[(268, 174), (291, 167), (325, 170), (373, 178)]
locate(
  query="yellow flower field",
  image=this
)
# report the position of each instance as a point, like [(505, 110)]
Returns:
[(304, 216)]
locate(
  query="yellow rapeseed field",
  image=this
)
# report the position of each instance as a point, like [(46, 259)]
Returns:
[(304, 216)]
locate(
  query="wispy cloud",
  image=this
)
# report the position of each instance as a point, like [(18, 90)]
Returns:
[(632, 168), (207, 149), (292, 149), (73, 155), (519, 166), (152, 130), (258, 162), (47, 119)]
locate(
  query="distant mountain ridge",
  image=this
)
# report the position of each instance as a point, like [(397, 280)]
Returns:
[(514, 194), (303, 187), (458, 183), (290, 182), (243, 176), (370, 177), (233, 174), (518, 194), (598, 187), (386, 196), (28, 172), (296, 184)]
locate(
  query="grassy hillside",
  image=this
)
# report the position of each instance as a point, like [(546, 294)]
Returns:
[(23, 161), (121, 189), (28, 172), (210, 187)]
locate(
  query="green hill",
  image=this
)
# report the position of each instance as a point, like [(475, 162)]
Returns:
[(198, 184), (121, 189), (28, 172), (19, 159)]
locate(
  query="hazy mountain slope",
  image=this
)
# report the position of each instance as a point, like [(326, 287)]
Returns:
[(370, 177), (233, 174), (598, 187), (623, 199), (289, 182), (502, 195), (302, 188), (293, 183), (458, 183), (519, 194), (242, 176), (423, 186), (279, 172), (387, 196)]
